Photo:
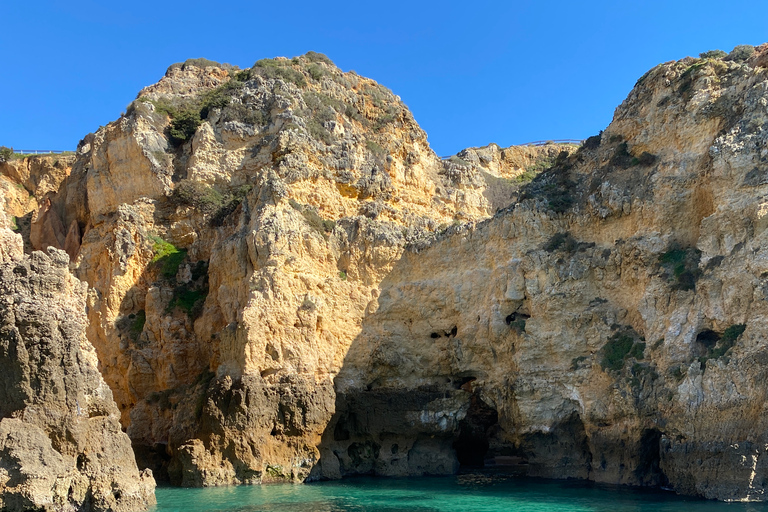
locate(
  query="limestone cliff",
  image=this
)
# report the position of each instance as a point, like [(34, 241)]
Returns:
[(236, 225), (288, 283), (609, 326), (61, 447)]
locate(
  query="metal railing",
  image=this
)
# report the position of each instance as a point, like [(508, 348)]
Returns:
[(40, 151)]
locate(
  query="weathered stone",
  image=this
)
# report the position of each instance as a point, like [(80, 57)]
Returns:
[(61, 446)]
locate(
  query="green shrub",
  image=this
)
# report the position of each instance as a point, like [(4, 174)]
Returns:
[(189, 300), (732, 333), (615, 351), (726, 342), (455, 159), (678, 373), (315, 71), (5, 154), (198, 195), (183, 126), (576, 361), (137, 324), (374, 148), (318, 57), (187, 114), (687, 78), (682, 266), (621, 346), (539, 165), (167, 256), (713, 54), (201, 63), (279, 69), (565, 242), (315, 221), (621, 156), (518, 324), (593, 142), (231, 201), (342, 275), (383, 120), (212, 203), (646, 159), (741, 53), (353, 113), (318, 132), (553, 185), (236, 111)]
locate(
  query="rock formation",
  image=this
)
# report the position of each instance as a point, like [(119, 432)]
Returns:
[(235, 226), (609, 326), (61, 447), (288, 283)]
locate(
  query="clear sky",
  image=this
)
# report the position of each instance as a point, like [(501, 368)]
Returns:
[(472, 72)]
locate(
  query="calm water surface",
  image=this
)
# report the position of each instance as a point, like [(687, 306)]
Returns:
[(462, 493)]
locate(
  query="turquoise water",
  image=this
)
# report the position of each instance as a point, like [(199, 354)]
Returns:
[(462, 493)]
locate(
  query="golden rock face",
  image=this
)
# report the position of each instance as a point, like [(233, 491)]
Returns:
[(235, 227), (288, 283)]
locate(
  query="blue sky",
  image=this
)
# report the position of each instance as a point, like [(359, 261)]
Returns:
[(471, 72)]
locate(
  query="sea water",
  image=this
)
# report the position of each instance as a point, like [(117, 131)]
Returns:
[(461, 493)]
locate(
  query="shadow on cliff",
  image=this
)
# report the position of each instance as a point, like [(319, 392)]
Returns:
[(410, 400), (400, 413)]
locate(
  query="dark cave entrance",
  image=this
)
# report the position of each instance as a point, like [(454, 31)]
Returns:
[(474, 432), (648, 470)]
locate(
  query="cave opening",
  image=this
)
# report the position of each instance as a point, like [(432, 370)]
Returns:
[(474, 433), (648, 470)]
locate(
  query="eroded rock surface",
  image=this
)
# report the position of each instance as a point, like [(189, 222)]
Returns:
[(235, 225), (613, 320), (61, 446), (288, 283)]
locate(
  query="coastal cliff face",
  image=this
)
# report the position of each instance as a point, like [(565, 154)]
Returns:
[(609, 326), (61, 447), (236, 225), (287, 283)]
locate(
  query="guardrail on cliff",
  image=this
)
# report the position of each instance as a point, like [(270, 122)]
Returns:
[(40, 151), (538, 143)]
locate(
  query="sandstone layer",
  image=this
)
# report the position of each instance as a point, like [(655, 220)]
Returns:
[(61, 446)]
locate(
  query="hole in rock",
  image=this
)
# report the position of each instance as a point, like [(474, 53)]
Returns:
[(464, 382), (512, 317), (154, 457), (473, 442), (648, 470), (708, 338), (341, 432)]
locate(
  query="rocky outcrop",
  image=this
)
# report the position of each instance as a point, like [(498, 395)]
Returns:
[(61, 446), (26, 187)]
